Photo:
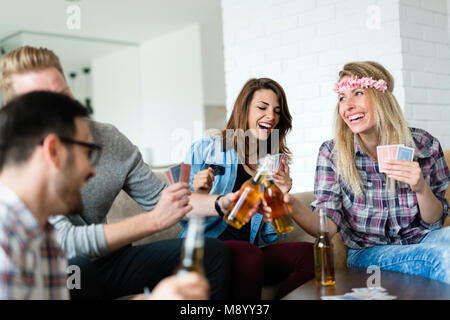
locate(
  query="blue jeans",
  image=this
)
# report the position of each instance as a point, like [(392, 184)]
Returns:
[(430, 258)]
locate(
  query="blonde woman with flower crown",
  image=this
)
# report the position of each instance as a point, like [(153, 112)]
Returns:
[(391, 219)]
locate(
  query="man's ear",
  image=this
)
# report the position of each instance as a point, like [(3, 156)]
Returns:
[(53, 150)]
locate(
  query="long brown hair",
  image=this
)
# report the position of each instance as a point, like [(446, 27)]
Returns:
[(238, 121), (390, 124)]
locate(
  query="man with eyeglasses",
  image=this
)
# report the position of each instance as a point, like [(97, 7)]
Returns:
[(45, 149), (110, 266), (46, 156)]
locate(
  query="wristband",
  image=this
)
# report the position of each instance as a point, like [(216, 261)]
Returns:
[(217, 206)]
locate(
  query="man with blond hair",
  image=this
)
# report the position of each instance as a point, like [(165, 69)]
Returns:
[(110, 266)]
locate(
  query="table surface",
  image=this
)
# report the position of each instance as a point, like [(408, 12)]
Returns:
[(403, 286)]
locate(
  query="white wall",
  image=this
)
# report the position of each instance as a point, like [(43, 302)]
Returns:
[(212, 59), (426, 66), (303, 45), (448, 13), (116, 92), (156, 93), (172, 95)]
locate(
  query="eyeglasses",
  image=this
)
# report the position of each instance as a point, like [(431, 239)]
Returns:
[(94, 149)]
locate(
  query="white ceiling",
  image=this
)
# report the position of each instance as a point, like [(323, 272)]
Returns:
[(119, 20), (126, 22)]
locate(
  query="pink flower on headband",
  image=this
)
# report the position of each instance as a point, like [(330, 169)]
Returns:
[(365, 82)]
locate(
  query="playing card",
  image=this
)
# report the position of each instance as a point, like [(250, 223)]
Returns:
[(372, 293), (169, 176), (405, 153), (281, 165), (277, 163), (340, 297), (383, 156), (385, 153), (175, 171), (185, 172)]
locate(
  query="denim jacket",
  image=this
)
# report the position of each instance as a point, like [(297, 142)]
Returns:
[(210, 151)]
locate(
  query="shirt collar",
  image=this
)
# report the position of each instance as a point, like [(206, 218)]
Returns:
[(357, 147), (22, 214)]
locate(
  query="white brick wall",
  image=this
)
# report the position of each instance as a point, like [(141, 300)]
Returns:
[(303, 44), (448, 13), (426, 64)]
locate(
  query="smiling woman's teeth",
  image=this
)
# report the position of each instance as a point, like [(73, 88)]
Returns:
[(356, 117), (264, 127)]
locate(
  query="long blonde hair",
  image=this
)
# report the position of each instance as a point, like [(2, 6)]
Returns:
[(390, 124)]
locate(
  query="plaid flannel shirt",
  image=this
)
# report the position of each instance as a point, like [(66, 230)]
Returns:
[(379, 217), (32, 265)]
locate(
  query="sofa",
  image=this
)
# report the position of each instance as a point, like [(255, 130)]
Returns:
[(124, 206)]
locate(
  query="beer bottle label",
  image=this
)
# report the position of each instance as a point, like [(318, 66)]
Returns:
[(239, 204)]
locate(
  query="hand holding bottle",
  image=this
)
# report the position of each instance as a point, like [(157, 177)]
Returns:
[(189, 286), (227, 203)]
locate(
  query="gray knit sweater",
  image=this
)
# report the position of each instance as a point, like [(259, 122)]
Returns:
[(120, 168)]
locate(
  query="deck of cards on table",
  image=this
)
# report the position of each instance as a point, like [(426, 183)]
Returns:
[(393, 152), (179, 173), (370, 293)]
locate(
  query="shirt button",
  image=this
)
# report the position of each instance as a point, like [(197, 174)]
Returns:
[(385, 209)]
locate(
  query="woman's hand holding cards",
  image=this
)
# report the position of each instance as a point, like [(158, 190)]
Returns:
[(282, 178), (408, 172)]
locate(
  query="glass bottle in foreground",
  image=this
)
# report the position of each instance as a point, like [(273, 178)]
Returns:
[(249, 194), (273, 196), (323, 253), (193, 247)]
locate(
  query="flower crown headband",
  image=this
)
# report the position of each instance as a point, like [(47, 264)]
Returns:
[(365, 82)]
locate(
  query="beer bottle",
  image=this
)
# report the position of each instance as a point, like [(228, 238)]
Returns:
[(249, 194), (323, 253), (273, 197), (192, 252)]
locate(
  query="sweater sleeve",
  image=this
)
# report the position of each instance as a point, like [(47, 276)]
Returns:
[(84, 240), (121, 167)]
